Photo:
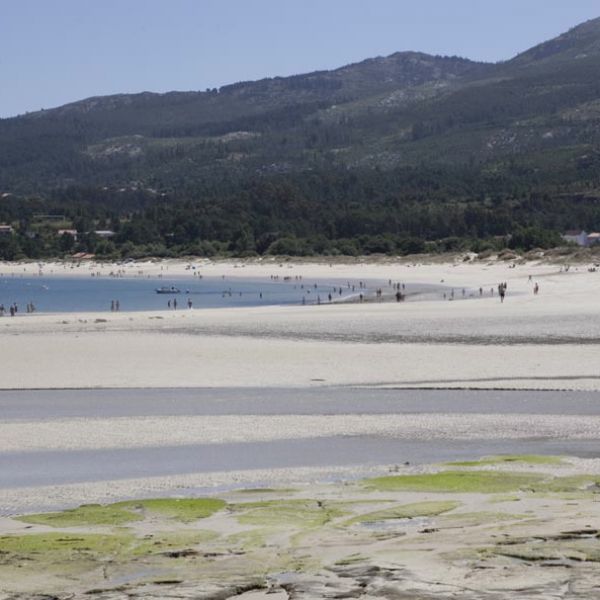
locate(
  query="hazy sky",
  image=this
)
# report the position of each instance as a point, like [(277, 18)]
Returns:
[(58, 51)]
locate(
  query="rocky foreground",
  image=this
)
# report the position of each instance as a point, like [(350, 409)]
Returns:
[(502, 527)]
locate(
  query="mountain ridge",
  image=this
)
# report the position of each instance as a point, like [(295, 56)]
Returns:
[(92, 101), (579, 38), (382, 112)]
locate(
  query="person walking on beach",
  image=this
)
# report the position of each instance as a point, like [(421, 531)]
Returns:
[(117, 305), (536, 289), (189, 303), (112, 306), (174, 303), (502, 291)]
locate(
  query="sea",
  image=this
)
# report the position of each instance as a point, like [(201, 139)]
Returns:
[(51, 294)]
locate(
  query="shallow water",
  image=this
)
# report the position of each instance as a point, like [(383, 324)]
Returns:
[(92, 294), (20, 469)]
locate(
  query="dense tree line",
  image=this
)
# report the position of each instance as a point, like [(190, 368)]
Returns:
[(403, 211)]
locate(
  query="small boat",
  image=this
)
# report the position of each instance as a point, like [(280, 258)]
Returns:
[(168, 290)]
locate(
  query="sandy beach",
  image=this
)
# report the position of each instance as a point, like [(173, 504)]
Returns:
[(544, 341), (345, 525)]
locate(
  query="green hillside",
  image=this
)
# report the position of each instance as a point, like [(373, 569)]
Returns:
[(378, 148)]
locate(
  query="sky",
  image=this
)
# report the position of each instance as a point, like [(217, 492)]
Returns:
[(58, 51)]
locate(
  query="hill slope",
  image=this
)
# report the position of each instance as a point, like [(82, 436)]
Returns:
[(542, 106)]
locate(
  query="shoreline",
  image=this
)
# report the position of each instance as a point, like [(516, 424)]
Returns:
[(380, 266), (545, 341)]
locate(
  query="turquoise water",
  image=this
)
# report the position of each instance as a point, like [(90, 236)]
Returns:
[(75, 294)]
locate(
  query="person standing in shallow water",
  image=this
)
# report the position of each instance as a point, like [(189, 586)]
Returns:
[(174, 303)]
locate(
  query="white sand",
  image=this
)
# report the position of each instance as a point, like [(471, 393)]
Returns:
[(139, 432), (528, 342)]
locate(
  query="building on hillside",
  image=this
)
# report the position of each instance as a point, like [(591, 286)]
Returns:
[(71, 232), (593, 239), (6, 230), (576, 236), (104, 233)]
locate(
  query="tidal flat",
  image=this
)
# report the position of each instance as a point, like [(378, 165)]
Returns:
[(520, 526)]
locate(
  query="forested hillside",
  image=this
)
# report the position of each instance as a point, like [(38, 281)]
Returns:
[(395, 154)]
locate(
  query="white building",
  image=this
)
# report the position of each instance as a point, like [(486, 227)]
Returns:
[(71, 232), (104, 233), (576, 236), (593, 239)]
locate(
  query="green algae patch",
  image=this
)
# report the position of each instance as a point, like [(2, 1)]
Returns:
[(85, 515), (165, 542), (121, 513), (575, 483), (178, 509), (483, 482), (406, 511), (249, 540), (530, 459), (60, 546), (296, 513)]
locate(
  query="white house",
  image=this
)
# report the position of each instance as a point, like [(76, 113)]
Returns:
[(576, 236), (71, 232), (104, 233), (593, 239)]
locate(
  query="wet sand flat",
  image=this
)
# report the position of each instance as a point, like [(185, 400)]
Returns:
[(60, 448)]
